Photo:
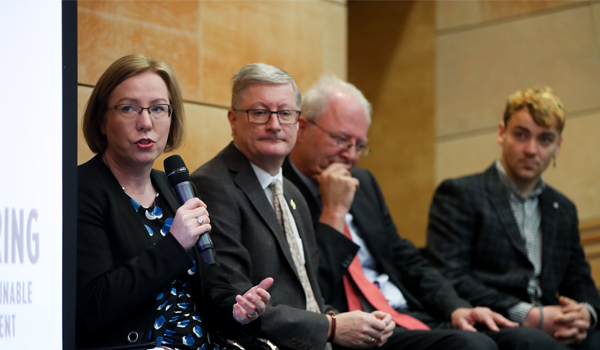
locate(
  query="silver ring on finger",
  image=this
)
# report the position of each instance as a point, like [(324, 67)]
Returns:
[(372, 340), (200, 221), (253, 316)]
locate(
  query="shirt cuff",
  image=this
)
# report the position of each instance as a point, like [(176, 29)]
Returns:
[(518, 312), (592, 313)]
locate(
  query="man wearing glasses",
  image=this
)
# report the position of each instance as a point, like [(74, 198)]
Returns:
[(261, 224), (388, 273)]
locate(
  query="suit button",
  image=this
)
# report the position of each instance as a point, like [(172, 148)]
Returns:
[(133, 337), (294, 341)]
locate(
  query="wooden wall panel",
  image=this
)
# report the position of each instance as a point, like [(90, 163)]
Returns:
[(172, 14), (478, 68), (207, 133), (493, 10), (335, 40), (206, 42), (292, 35), (590, 239), (111, 29), (83, 151), (596, 18), (465, 155), (391, 60), (452, 13)]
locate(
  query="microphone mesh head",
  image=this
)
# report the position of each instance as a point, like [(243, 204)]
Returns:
[(176, 170)]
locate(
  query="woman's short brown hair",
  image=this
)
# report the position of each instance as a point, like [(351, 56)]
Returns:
[(122, 69)]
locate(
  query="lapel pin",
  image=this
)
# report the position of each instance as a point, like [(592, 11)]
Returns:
[(555, 205), (293, 204)]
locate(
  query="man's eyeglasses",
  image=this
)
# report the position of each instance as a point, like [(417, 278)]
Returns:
[(157, 112), (262, 116), (345, 143)]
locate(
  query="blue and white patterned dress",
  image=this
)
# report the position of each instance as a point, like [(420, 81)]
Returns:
[(177, 324)]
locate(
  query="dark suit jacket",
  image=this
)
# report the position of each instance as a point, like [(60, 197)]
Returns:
[(423, 287), (251, 245), (474, 239), (120, 272)]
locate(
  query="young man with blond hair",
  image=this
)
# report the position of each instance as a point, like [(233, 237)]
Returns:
[(509, 241)]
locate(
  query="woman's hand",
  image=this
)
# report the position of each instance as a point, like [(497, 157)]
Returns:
[(190, 222), (253, 303)]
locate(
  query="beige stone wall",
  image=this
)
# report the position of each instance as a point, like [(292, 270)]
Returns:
[(391, 59), (206, 42)]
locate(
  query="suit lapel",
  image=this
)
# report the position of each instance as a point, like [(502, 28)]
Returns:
[(167, 191), (499, 200), (549, 210), (244, 177), (133, 226), (313, 206), (363, 211)]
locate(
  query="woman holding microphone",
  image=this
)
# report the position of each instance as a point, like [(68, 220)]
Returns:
[(140, 277)]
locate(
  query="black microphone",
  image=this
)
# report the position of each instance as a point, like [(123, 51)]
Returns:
[(179, 177)]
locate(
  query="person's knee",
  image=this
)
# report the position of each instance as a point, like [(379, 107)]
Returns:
[(474, 341), (532, 339), (591, 342), (524, 339)]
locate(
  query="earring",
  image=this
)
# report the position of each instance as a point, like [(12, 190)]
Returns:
[(554, 162)]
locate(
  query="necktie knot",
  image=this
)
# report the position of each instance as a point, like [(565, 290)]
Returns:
[(276, 188)]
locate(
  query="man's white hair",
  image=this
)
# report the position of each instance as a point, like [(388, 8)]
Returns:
[(317, 98)]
